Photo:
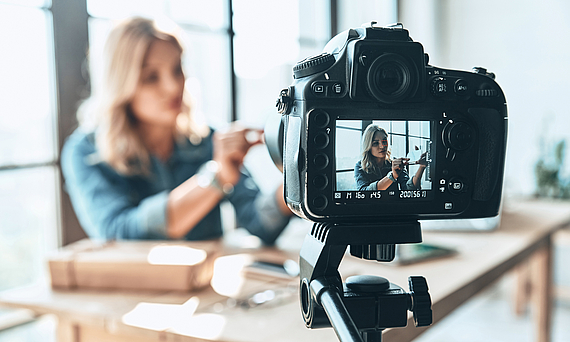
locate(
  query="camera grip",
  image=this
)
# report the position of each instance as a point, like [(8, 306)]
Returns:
[(291, 159), (491, 146)]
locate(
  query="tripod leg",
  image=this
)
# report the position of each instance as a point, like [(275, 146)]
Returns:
[(339, 317), (372, 336)]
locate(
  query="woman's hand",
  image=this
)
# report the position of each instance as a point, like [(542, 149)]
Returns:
[(398, 165), (423, 160), (230, 148)]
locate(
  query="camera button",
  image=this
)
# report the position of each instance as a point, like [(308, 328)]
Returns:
[(320, 202), (461, 87), (318, 88), (320, 118), (448, 206), (458, 136), (337, 88), (321, 161), (320, 181), (321, 140), (456, 186), (439, 86)]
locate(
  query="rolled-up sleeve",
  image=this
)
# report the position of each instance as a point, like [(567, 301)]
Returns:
[(153, 216), (406, 183), (258, 213), (105, 206), (362, 181)]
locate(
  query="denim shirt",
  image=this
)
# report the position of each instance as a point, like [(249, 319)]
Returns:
[(368, 181), (111, 206)]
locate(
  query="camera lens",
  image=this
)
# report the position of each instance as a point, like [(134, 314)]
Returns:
[(391, 78)]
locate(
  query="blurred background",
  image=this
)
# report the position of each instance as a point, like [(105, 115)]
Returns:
[(239, 56)]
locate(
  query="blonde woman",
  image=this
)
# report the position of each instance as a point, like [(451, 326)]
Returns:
[(138, 167), (377, 171)]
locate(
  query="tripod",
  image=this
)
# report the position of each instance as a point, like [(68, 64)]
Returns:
[(361, 308)]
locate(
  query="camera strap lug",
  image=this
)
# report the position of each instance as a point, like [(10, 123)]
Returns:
[(285, 100)]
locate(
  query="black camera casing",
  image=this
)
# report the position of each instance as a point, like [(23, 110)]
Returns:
[(466, 112)]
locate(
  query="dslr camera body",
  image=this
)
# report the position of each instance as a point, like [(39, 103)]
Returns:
[(378, 75), (445, 129)]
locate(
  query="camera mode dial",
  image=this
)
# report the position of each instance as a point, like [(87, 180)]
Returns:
[(313, 65)]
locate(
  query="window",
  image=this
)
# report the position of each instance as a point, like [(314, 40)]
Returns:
[(28, 172), (236, 66)]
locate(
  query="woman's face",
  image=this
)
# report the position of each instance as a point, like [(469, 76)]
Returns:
[(379, 146), (158, 97)]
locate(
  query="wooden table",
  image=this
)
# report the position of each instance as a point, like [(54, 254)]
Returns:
[(230, 314)]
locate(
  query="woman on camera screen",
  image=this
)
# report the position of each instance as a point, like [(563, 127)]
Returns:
[(140, 167), (377, 171)]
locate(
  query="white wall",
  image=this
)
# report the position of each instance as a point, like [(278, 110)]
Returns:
[(526, 44)]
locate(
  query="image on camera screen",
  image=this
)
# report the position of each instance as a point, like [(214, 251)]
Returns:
[(380, 159)]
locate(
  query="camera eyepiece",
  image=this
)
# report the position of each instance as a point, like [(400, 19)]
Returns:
[(391, 78)]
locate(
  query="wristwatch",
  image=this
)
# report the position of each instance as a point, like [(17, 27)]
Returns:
[(391, 177), (207, 177)]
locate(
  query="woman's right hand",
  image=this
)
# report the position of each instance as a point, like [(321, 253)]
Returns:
[(230, 148), (398, 165)]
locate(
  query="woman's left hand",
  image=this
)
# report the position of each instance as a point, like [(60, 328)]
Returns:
[(423, 159)]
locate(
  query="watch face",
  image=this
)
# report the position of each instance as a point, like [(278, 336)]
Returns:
[(204, 180), (207, 174)]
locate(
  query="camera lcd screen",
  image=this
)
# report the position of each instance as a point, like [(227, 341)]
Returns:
[(381, 160)]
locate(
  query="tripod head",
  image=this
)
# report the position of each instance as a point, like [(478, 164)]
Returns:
[(362, 307)]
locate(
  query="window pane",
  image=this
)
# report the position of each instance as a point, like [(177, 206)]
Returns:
[(345, 181), (27, 120), (98, 31), (207, 67), (211, 13), (314, 20), (387, 125), (264, 42), (267, 46), (271, 36), (398, 127), (349, 123), (414, 128), (28, 213), (418, 144), (32, 3), (114, 9), (347, 148), (398, 147), (354, 13)]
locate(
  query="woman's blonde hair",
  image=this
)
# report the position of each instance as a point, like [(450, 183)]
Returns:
[(367, 160), (107, 112)]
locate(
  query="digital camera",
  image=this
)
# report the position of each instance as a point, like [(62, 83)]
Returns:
[(451, 124)]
